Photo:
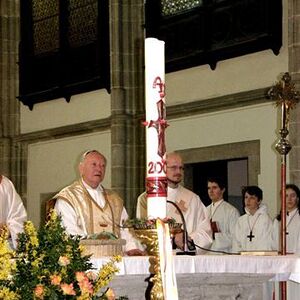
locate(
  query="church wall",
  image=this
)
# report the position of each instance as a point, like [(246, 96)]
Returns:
[(232, 76), (51, 114)]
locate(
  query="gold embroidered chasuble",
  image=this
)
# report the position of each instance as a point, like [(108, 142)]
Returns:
[(90, 216)]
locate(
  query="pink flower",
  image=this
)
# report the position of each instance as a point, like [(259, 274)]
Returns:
[(39, 291), (55, 279), (67, 289), (63, 261), (91, 275), (80, 276), (86, 286)]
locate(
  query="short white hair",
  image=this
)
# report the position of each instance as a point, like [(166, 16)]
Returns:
[(86, 153)]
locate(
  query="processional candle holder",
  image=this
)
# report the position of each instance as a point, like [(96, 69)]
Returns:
[(149, 237), (155, 234), (286, 98)]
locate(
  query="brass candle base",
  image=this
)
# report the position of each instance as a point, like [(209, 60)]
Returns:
[(150, 239)]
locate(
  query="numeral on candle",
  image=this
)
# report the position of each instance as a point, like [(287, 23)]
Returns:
[(156, 167)]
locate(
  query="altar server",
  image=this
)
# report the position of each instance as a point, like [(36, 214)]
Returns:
[(292, 232), (292, 220), (223, 216), (253, 230), (86, 207), (12, 211), (194, 211)]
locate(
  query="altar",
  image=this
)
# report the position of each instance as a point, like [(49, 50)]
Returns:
[(209, 277)]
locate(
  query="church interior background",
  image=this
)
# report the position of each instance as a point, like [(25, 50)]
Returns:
[(61, 96)]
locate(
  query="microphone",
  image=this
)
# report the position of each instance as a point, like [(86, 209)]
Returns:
[(188, 245)]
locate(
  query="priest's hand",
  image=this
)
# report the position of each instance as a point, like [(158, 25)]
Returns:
[(136, 252)]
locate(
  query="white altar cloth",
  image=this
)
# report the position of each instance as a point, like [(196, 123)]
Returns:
[(279, 268)]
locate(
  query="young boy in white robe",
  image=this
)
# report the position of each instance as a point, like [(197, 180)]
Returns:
[(253, 230), (223, 216)]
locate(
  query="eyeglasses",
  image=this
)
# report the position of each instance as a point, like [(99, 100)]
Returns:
[(174, 168)]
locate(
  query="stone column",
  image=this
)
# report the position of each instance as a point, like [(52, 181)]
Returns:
[(294, 69), (9, 111), (127, 99)]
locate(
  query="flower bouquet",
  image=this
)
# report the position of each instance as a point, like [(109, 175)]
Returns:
[(49, 264)]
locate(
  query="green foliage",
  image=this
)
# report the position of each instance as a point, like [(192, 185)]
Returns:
[(49, 264)]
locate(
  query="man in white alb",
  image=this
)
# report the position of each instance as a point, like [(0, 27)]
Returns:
[(194, 211), (222, 214), (86, 207), (12, 211)]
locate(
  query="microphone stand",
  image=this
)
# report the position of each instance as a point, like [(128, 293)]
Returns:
[(186, 250)]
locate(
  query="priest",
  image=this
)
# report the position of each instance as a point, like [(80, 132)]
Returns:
[(87, 208)]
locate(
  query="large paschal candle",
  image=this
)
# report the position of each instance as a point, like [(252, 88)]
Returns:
[(156, 181)]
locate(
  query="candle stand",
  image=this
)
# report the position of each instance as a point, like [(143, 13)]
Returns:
[(150, 239)]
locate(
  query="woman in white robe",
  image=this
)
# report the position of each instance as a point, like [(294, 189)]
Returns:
[(292, 232)]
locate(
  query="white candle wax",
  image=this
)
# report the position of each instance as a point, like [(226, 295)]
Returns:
[(155, 114)]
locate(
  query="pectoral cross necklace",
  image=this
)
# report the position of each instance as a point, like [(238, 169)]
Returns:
[(251, 236)]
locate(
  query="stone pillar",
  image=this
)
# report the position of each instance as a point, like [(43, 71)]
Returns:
[(294, 69), (9, 111), (127, 99)]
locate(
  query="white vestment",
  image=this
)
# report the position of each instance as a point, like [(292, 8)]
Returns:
[(194, 212), (253, 232), (70, 218), (12, 210), (225, 215), (292, 229), (292, 245)]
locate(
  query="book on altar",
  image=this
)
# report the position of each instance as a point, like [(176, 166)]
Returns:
[(266, 253)]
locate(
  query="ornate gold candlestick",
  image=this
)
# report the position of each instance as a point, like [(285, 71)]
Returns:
[(150, 239)]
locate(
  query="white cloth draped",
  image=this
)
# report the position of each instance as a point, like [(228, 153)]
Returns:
[(278, 267)]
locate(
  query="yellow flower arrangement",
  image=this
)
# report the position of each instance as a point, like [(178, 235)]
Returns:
[(48, 264)]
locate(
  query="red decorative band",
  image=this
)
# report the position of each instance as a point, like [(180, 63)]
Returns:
[(156, 186)]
